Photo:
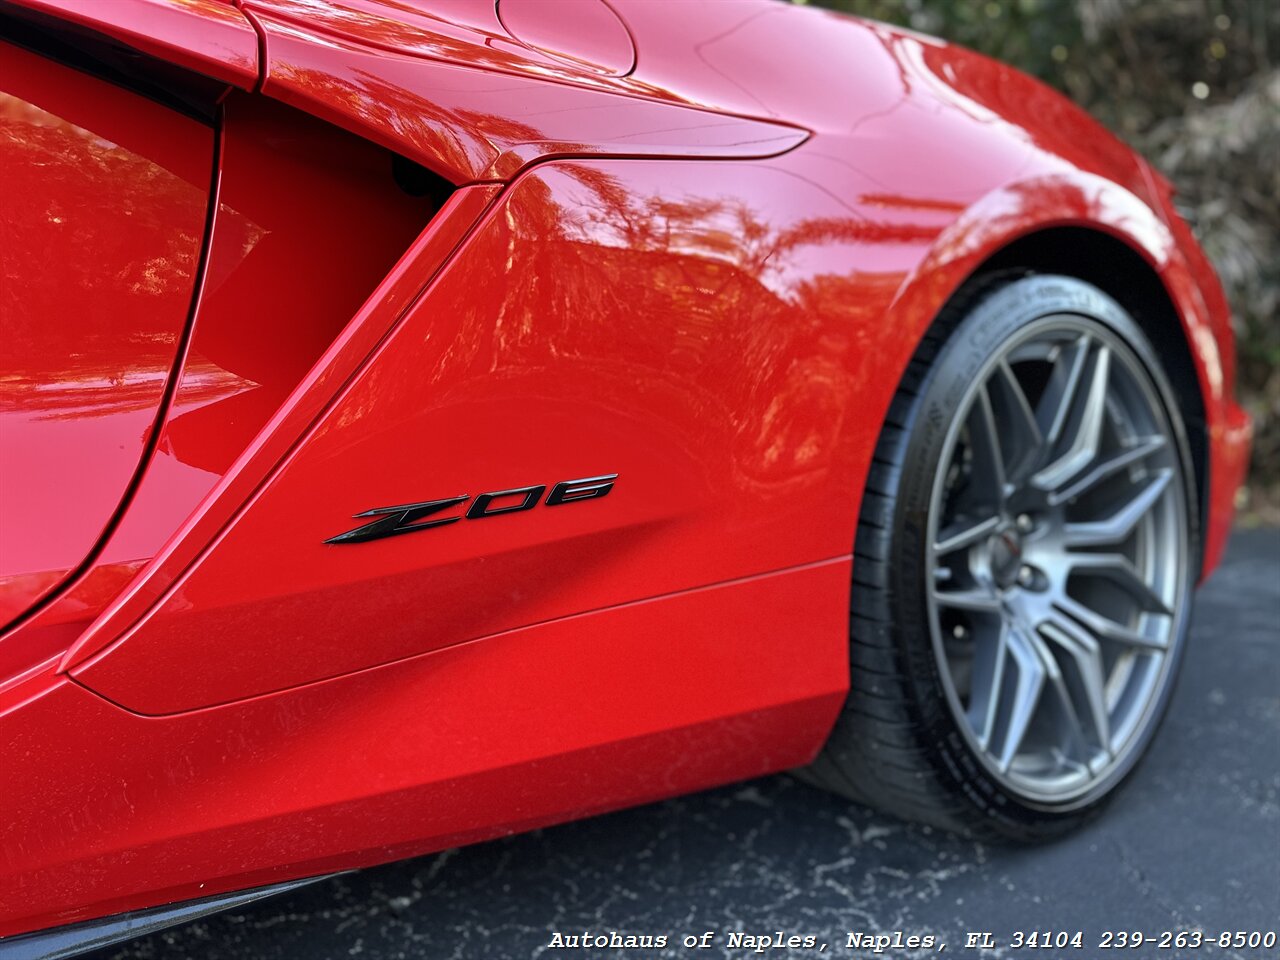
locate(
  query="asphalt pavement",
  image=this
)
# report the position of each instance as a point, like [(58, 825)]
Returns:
[(1192, 843)]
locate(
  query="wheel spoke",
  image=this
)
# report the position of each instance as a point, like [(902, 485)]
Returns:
[(984, 443), (1116, 528), (1108, 468), (978, 599), (964, 534), (1116, 568), (988, 679), (1089, 676), (1055, 403), (1029, 683), (1107, 628), (1073, 731), (1021, 432), (1082, 428), (1056, 681)]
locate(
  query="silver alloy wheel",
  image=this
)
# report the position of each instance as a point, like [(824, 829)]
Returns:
[(1058, 559)]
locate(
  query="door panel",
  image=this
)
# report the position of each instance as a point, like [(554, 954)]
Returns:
[(608, 317), (103, 200), (535, 727)]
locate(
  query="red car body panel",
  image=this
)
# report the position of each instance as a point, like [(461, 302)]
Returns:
[(104, 207), (210, 37), (473, 123), (519, 730), (265, 259), (694, 271), (663, 350)]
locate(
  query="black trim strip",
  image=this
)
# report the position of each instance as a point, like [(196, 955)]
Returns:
[(60, 943)]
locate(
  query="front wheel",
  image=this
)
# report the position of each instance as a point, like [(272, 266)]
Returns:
[(1023, 568)]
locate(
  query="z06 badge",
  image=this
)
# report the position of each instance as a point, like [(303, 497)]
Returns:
[(409, 517)]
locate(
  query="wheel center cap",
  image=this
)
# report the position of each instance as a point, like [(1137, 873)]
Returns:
[(1005, 547)]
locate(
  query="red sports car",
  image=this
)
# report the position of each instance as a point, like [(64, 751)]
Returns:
[(422, 420)]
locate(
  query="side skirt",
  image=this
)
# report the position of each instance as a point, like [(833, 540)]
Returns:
[(73, 940)]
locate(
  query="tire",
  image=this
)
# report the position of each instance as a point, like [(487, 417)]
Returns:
[(932, 730)]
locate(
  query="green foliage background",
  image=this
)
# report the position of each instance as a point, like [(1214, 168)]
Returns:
[(1195, 86)]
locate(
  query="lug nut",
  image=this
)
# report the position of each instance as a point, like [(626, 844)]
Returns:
[(1024, 523), (959, 631), (1026, 576)]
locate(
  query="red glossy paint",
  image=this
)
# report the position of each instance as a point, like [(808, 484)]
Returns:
[(587, 35), (700, 272), (102, 213), (399, 289), (429, 753), (209, 37), (284, 276), (607, 349), (472, 106)]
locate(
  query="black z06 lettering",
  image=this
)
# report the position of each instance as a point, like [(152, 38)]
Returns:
[(411, 517), (405, 518), (529, 497)]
